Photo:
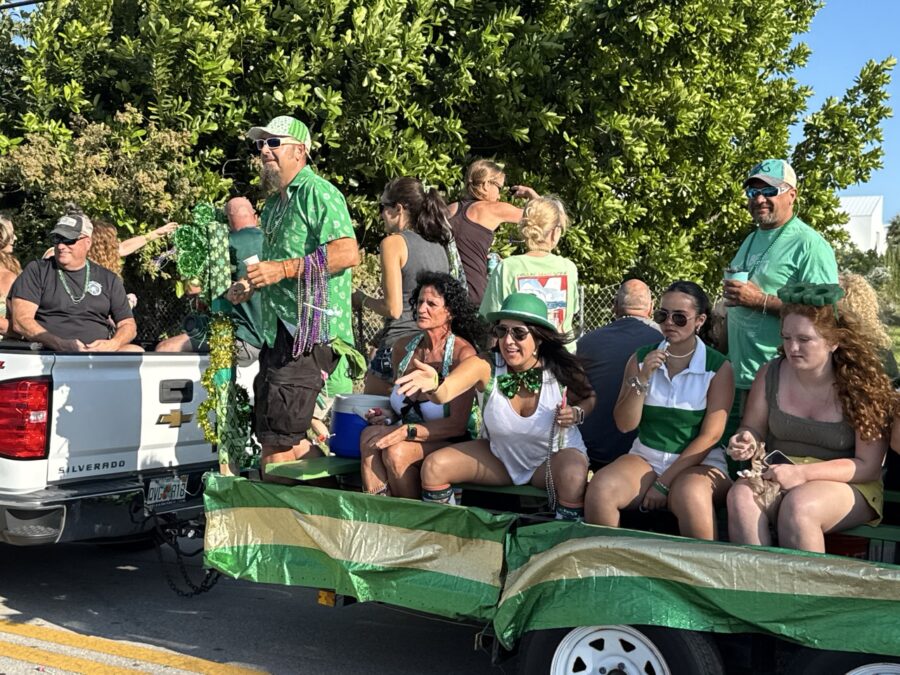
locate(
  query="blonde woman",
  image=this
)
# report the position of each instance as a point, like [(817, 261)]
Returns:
[(9, 268), (861, 299), (539, 271), (475, 217)]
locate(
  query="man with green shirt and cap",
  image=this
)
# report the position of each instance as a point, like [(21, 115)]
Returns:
[(781, 250), (305, 283)]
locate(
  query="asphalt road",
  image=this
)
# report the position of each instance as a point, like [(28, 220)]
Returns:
[(82, 608)]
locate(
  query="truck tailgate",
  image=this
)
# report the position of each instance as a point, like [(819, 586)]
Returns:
[(118, 413)]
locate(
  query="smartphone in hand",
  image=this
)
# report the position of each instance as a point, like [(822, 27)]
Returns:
[(777, 457)]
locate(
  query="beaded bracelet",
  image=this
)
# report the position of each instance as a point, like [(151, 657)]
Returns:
[(661, 488)]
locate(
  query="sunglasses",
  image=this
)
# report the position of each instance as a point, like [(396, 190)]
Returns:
[(768, 192), (274, 142), (680, 319), (56, 240), (498, 185), (382, 206), (519, 333)]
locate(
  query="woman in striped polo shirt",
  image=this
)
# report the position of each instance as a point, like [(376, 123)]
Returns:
[(677, 394)]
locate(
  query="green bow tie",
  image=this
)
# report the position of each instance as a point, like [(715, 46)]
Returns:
[(511, 382)]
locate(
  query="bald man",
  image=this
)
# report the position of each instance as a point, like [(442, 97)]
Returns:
[(606, 350), (245, 241)]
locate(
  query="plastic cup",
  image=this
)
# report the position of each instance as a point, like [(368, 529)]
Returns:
[(736, 275), (252, 260)]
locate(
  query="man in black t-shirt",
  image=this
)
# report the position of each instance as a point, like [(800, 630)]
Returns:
[(65, 302)]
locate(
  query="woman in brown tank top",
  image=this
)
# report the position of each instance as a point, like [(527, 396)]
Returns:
[(827, 405), (476, 216)]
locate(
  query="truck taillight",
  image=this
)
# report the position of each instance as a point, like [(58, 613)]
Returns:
[(24, 418)]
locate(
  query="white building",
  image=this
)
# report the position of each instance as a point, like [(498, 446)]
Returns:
[(866, 228)]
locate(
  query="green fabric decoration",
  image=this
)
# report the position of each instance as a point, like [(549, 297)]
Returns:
[(202, 248), (356, 362), (225, 400), (512, 381)]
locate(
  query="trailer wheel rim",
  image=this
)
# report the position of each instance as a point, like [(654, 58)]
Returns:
[(876, 669), (608, 650)]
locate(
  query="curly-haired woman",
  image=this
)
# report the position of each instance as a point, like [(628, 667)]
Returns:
[(398, 440), (540, 272), (861, 299), (476, 216), (826, 404)]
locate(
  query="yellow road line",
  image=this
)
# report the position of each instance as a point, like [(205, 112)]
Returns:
[(72, 664), (128, 651)]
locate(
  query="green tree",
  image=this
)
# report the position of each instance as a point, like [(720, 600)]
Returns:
[(893, 232), (643, 115)]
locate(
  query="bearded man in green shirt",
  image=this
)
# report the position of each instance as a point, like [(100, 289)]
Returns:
[(305, 283), (781, 250)]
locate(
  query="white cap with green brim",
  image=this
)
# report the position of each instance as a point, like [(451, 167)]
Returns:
[(284, 125)]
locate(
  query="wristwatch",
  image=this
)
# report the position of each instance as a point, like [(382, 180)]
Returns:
[(411, 432), (636, 384)]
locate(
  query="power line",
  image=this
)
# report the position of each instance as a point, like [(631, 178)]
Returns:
[(20, 3)]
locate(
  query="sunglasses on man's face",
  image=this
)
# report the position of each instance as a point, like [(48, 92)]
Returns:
[(519, 333), (382, 206), (680, 319), (768, 192), (57, 240), (273, 143)]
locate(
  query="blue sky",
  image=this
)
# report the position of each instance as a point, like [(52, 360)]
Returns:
[(843, 36)]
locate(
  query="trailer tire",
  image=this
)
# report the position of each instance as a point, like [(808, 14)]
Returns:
[(818, 662), (666, 651)]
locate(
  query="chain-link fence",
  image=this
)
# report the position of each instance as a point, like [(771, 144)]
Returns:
[(163, 316)]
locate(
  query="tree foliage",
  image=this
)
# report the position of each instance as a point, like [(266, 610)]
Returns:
[(643, 115)]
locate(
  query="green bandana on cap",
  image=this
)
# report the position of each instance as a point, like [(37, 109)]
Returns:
[(284, 125)]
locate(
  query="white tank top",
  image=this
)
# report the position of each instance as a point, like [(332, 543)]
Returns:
[(521, 443)]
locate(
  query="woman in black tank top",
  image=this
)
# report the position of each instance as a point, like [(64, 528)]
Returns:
[(475, 217)]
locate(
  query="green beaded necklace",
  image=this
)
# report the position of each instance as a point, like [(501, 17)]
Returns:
[(87, 281)]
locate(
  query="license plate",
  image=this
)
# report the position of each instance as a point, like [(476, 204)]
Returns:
[(166, 490)]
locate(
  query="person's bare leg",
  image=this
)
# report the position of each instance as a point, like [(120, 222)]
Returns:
[(747, 522), (811, 510), (616, 487), (176, 343), (131, 348), (402, 461), (371, 467), (467, 462), (692, 498), (273, 454), (569, 468)]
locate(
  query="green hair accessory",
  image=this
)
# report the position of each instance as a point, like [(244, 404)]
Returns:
[(814, 295), (817, 295)]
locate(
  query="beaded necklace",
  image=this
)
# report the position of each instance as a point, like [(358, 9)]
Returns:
[(87, 281), (312, 303), (273, 222)]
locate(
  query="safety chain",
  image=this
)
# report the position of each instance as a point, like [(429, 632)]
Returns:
[(209, 580)]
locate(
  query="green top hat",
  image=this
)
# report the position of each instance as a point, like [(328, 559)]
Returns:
[(523, 307)]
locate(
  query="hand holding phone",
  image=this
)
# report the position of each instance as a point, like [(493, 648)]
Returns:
[(777, 457)]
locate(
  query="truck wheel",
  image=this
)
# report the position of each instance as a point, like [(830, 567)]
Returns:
[(618, 650), (817, 662)]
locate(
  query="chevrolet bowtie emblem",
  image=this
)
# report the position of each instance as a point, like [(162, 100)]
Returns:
[(174, 419)]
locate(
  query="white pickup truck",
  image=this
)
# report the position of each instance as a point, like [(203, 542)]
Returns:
[(98, 446)]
